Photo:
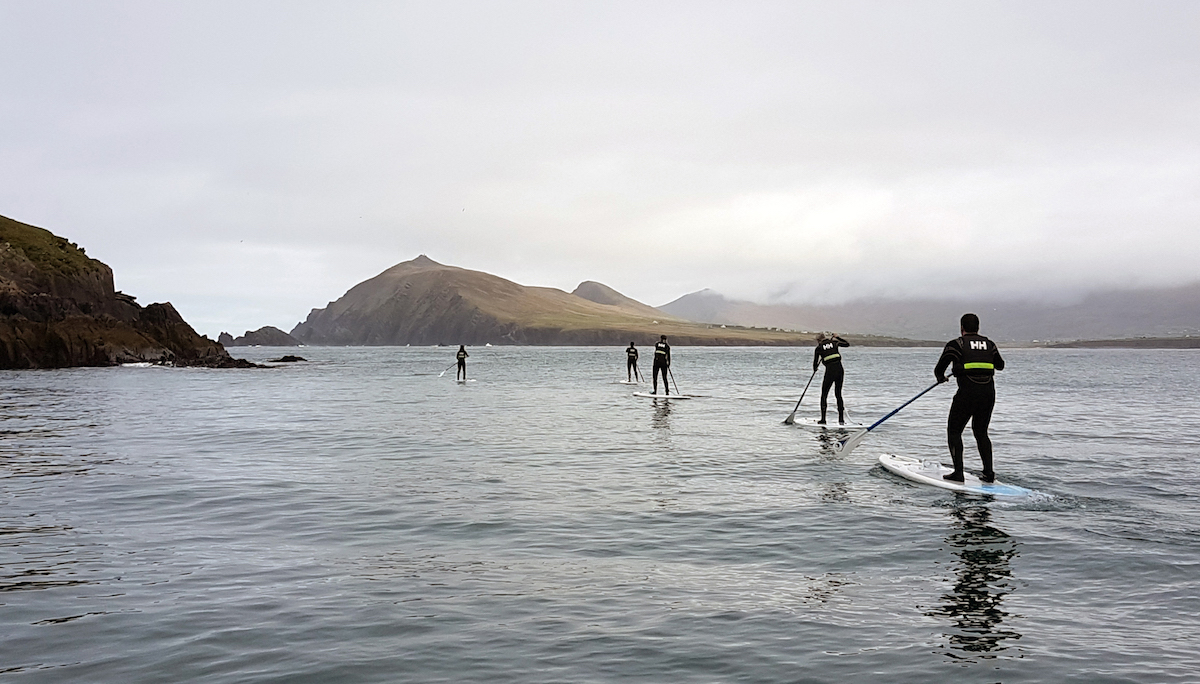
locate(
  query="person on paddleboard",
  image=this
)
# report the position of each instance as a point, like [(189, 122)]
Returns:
[(975, 359), (631, 356), (462, 363), (662, 363), (827, 352)]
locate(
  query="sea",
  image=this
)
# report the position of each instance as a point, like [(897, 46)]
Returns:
[(362, 517)]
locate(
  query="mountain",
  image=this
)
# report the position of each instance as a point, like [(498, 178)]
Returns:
[(1161, 312), (266, 336), (424, 302), (603, 294), (58, 308)]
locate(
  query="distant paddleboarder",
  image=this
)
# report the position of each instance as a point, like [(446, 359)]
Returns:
[(462, 363), (827, 352), (662, 363), (631, 356), (976, 360)]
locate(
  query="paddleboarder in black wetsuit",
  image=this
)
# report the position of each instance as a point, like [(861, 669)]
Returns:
[(631, 356), (462, 362), (827, 353), (662, 362), (976, 360)]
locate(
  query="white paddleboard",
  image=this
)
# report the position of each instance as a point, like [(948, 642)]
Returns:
[(463, 382), (661, 396), (830, 424), (628, 382), (930, 472)]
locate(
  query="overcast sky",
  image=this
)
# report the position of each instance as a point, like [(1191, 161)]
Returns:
[(249, 161)]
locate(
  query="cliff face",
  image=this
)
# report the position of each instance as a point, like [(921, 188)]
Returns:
[(424, 302), (58, 309)]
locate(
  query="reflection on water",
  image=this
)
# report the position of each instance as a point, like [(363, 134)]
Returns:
[(835, 492), (662, 412), (984, 578), (827, 438)]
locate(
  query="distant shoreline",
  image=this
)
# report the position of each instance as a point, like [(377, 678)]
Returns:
[(1132, 343)]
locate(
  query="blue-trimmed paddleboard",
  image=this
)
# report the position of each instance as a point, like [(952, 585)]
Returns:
[(930, 472)]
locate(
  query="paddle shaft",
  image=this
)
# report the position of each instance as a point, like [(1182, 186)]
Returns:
[(673, 380), (902, 406), (448, 368), (810, 379)]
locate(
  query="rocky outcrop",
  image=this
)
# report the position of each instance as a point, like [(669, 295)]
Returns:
[(58, 308), (266, 336)]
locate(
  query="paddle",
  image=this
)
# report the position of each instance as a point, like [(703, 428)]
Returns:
[(845, 446), (791, 419), (673, 380), (451, 366)]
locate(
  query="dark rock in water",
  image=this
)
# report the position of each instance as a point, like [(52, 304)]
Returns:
[(289, 359), (58, 309), (266, 336), (225, 339)]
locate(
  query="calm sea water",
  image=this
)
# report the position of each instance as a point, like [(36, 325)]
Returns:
[(357, 518)]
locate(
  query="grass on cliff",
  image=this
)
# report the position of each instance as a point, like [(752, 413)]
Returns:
[(47, 251)]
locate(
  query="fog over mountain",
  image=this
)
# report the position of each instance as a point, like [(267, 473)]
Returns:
[(244, 160), (1160, 312), (423, 302)]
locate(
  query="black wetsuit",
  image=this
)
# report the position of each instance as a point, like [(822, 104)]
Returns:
[(462, 364), (662, 362), (631, 364), (827, 353), (976, 360)]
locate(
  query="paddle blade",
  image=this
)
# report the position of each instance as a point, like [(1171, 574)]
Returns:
[(791, 419), (845, 446)]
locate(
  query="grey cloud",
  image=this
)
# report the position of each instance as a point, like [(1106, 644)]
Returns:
[(797, 151)]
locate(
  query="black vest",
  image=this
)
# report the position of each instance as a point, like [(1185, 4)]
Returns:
[(631, 353), (829, 352), (978, 358), (661, 349)]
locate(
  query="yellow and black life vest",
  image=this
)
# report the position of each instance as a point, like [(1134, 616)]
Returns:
[(829, 352), (978, 357), (662, 352)]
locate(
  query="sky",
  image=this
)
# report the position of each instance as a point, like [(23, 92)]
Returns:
[(251, 161)]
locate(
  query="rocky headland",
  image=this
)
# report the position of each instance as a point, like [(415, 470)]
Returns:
[(266, 336), (58, 308), (424, 302)]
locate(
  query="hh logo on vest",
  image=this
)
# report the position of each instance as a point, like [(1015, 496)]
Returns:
[(976, 344)]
